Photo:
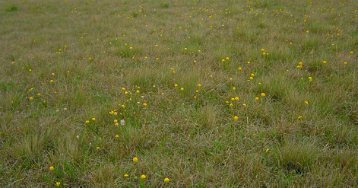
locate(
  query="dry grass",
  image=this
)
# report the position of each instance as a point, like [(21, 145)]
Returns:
[(86, 86)]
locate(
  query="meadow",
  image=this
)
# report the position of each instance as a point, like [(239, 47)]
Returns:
[(190, 93)]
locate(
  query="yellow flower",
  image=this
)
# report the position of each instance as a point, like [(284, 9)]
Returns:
[(166, 179), (199, 85), (143, 176), (345, 62), (227, 58), (324, 61), (87, 121), (257, 98), (30, 70), (58, 184), (51, 168), (248, 62), (126, 175), (299, 117), (93, 119), (144, 104), (239, 68), (310, 79), (236, 118), (237, 98), (116, 136), (263, 94), (135, 159), (306, 102), (233, 88), (98, 147), (182, 88), (307, 31), (31, 98)]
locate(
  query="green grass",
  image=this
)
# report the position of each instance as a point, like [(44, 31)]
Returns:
[(86, 86)]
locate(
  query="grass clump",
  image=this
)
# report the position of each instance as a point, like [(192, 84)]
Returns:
[(11, 8)]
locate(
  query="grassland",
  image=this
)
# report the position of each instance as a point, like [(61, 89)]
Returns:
[(251, 93)]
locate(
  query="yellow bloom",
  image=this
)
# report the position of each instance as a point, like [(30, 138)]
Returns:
[(87, 121), (135, 159), (324, 61), (306, 102), (182, 88), (93, 119), (143, 176), (345, 62), (257, 98), (166, 179), (51, 168), (263, 94), (126, 175), (31, 98), (236, 118), (116, 136), (199, 85), (237, 98), (310, 79), (239, 68), (58, 184)]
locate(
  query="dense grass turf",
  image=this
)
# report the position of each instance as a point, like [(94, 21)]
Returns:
[(189, 93)]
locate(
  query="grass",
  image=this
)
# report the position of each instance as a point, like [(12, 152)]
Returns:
[(86, 86)]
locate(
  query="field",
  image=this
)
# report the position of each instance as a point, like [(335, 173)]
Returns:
[(190, 93)]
